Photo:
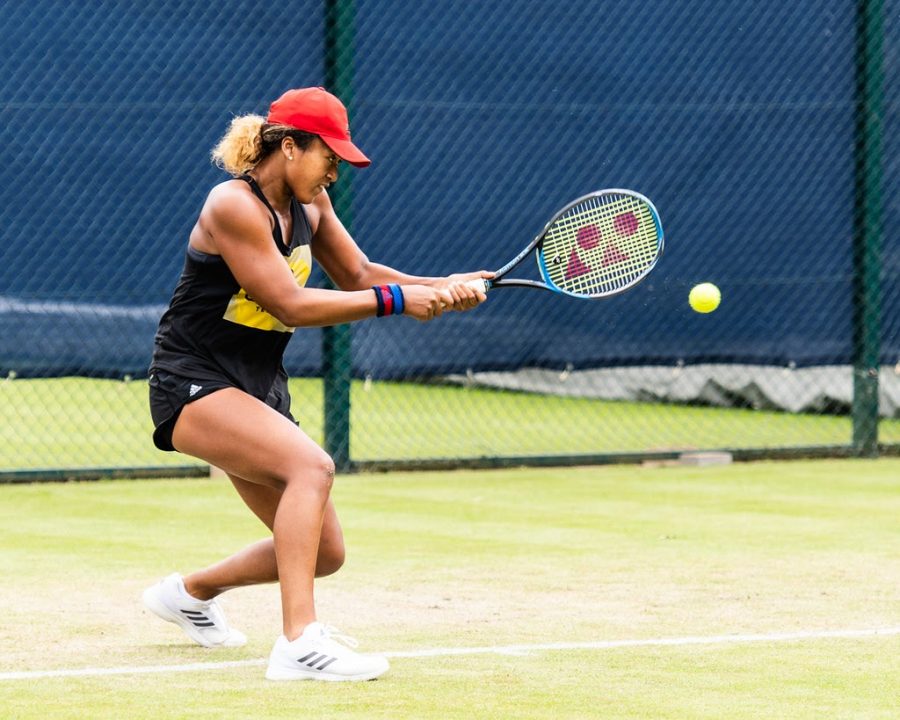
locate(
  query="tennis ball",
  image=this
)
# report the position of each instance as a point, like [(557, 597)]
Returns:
[(705, 297)]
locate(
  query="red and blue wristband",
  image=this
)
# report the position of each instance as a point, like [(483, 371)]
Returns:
[(390, 299)]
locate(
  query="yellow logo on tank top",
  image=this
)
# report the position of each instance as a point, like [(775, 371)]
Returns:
[(243, 310)]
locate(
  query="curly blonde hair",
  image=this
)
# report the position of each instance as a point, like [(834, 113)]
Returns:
[(249, 139)]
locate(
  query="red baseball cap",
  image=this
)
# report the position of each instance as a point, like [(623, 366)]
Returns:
[(315, 110)]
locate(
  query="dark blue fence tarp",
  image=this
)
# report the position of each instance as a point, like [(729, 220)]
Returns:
[(481, 119)]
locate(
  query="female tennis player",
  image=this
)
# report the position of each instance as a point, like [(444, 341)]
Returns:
[(218, 390)]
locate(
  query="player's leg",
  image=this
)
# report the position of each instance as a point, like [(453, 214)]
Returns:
[(256, 563), (248, 439), (189, 601), (263, 501)]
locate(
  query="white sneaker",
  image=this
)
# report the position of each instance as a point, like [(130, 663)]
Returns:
[(202, 620), (318, 655)]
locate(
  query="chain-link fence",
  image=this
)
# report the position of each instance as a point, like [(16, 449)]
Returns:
[(765, 135)]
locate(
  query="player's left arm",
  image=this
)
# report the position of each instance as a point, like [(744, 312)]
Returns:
[(350, 269)]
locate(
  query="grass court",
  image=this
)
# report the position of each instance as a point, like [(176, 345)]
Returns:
[(755, 590)]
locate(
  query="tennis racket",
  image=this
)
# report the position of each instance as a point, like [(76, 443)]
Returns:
[(596, 246)]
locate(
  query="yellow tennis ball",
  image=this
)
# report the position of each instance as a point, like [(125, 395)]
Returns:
[(705, 297)]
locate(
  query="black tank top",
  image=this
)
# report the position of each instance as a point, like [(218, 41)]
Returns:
[(212, 328)]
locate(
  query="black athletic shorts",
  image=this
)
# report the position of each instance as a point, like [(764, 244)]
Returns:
[(169, 394)]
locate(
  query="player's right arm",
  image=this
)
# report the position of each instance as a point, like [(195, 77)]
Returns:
[(235, 225)]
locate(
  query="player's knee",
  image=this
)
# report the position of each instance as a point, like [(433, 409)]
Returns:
[(316, 473), (325, 469), (331, 560)]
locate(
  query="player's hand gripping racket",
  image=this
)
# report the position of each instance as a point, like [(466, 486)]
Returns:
[(599, 245)]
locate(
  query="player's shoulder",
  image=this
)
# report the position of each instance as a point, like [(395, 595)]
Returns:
[(232, 203), (231, 192)]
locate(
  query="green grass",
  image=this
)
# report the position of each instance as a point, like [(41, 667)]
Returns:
[(475, 559), (77, 422)]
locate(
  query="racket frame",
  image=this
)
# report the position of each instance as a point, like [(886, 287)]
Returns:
[(535, 245)]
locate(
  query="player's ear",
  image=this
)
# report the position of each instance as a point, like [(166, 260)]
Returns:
[(288, 147)]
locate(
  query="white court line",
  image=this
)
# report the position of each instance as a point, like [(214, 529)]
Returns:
[(495, 649)]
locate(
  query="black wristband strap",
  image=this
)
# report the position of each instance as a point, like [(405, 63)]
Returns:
[(380, 299)]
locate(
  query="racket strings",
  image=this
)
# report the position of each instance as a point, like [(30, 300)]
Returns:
[(600, 245)]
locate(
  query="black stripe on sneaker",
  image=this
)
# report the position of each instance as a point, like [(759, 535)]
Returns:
[(314, 658), (325, 664), (198, 619)]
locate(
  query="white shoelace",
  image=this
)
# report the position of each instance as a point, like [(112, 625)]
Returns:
[(330, 632)]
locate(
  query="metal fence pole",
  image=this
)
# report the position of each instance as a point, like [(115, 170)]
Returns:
[(867, 226), (336, 341)]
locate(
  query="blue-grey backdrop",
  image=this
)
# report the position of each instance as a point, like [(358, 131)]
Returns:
[(737, 119)]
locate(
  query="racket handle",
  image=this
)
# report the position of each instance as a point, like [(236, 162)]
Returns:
[(479, 284)]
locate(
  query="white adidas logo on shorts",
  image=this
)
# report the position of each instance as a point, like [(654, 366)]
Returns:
[(195, 389)]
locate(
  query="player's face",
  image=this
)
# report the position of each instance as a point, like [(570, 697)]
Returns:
[(312, 170)]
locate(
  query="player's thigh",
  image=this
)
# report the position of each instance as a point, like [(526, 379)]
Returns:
[(245, 437)]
